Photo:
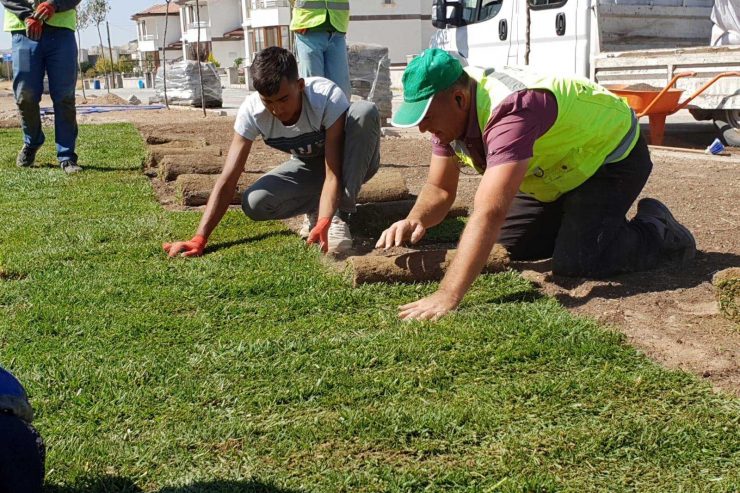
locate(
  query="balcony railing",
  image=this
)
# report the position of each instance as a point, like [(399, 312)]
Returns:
[(268, 4), (201, 25), (147, 37)]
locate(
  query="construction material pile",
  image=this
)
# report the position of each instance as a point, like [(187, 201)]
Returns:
[(370, 75), (183, 85)]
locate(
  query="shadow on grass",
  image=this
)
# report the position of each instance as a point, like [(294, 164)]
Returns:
[(88, 167), (114, 484), (249, 239), (668, 277)]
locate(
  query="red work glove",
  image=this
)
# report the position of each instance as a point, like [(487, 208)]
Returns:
[(320, 234), (45, 11), (34, 28), (192, 248)]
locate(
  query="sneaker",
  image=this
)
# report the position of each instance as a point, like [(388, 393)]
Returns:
[(26, 157), (340, 238), (678, 242), (309, 221), (70, 167)]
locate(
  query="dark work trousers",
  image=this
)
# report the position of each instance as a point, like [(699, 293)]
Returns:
[(585, 231), (22, 455)]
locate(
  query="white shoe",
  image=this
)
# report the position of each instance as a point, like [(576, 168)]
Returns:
[(309, 221), (340, 238)]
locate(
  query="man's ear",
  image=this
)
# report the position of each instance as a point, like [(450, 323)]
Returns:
[(461, 98), (301, 84)]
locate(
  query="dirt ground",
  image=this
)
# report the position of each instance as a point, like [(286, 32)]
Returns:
[(670, 313)]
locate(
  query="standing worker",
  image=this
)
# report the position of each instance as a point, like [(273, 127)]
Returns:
[(562, 161), (320, 28), (44, 43), (22, 450)]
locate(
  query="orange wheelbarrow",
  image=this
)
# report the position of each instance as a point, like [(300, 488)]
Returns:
[(657, 105)]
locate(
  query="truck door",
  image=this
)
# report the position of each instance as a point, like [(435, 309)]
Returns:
[(490, 34), (553, 35)]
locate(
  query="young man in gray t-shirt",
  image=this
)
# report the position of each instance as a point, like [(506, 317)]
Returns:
[(334, 148)]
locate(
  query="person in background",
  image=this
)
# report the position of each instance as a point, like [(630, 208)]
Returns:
[(22, 451), (320, 28), (44, 44)]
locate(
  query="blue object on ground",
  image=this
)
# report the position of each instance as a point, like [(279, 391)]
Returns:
[(141, 84), (96, 84), (715, 148)]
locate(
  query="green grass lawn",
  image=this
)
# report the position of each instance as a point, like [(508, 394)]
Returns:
[(256, 369)]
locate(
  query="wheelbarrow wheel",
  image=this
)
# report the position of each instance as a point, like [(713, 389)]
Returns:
[(729, 127)]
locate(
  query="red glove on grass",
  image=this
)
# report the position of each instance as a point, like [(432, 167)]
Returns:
[(192, 248), (34, 27), (320, 234), (45, 11)]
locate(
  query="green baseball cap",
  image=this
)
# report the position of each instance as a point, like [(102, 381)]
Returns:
[(431, 72)]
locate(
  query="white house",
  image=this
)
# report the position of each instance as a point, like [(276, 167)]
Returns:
[(151, 37), (267, 23), (221, 27), (404, 26)]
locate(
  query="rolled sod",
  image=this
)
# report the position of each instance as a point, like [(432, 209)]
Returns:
[(157, 153), (727, 285), (387, 185), (173, 166), (401, 265), (194, 190)]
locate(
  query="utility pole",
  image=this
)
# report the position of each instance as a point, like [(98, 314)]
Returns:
[(110, 52)]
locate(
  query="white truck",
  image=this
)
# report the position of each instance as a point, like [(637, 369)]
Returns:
[(614, 42)]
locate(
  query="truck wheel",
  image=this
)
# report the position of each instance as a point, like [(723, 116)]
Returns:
[(729, 127)]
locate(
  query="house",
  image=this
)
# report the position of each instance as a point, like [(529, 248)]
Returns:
[(152, 44), (267, 23), (221, 28)]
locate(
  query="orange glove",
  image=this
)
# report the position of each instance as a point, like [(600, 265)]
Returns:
[(320, 234), (34, 27), (192, 248), (45, 11)]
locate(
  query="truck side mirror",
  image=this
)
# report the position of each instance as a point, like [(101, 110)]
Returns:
[(447, 13)]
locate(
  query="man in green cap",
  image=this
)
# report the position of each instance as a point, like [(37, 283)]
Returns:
[(561, 159)]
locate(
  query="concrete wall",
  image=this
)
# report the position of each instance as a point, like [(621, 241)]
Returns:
[(405, 25), (226, 52)]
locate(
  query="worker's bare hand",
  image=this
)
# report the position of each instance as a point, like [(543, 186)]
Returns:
[(400, 232), (430, 308), (192, 248)]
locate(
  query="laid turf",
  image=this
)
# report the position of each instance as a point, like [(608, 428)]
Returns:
[(255, 369)]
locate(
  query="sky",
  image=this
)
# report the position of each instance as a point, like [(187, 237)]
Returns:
[(122, 28)]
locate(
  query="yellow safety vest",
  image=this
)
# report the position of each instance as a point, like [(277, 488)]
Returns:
[(593, 127), (312, 13), (66, 19)]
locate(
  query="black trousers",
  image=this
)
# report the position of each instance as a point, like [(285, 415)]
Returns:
[(22, 455), (585, 230)]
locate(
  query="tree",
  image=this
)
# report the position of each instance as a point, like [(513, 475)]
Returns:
[(97, 10), (164, 51), (83, 22), (200, 65)]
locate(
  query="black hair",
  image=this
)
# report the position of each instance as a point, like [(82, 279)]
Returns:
[(461, 83), (269, 68)]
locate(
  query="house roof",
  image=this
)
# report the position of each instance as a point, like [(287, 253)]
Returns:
[(158, 9), (237, 33)]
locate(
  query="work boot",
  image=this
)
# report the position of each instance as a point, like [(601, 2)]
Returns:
[(26, 157), (678, 242), (340, 238), (70, 167), (309, 221)]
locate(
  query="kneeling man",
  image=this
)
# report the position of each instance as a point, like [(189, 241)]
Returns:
[(562, 162), (334, 148)]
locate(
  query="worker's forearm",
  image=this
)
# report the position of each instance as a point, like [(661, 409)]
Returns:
[(475, 246), (330, 194), (432, 206), (218, 204)]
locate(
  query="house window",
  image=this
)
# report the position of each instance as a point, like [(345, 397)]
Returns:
[(265, 37), (546, 4)]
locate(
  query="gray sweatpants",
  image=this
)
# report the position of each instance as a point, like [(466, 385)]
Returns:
[(294, 187)]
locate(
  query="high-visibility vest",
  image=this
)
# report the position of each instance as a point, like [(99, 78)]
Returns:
[(593, 127), (66, 19), (312, 13)]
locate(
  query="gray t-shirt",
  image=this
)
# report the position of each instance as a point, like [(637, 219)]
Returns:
[(323, 103)]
